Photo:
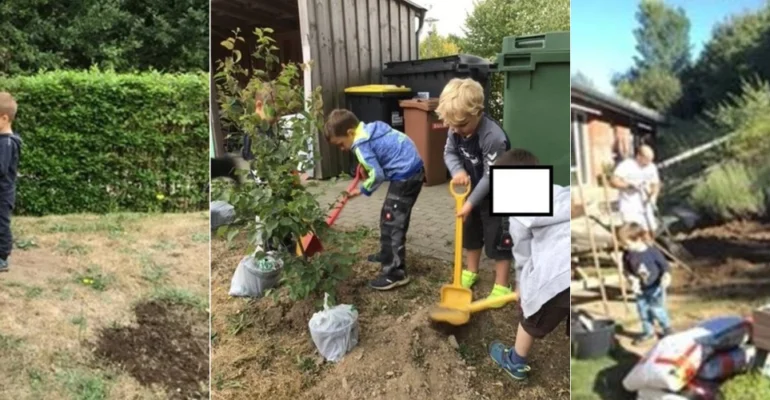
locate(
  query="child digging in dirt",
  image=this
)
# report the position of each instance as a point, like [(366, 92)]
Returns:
[(648, 273), (542, 251), (387, 155), (474, 142), (10, 150)]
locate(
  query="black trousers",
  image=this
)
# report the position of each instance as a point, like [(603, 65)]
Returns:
[(6, 238), (394, 223)]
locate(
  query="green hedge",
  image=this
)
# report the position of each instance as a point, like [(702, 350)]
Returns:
[(102, 142)]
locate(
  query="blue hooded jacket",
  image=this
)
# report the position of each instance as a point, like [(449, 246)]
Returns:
[(385, 153)]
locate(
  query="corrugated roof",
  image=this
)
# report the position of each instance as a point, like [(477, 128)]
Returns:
[(616, 103)]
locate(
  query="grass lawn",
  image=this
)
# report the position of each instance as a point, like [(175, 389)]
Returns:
[(600, 379), (106, 306)]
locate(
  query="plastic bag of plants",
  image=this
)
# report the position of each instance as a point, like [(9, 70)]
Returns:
[(253, 277), (334, 330), (222, 213)]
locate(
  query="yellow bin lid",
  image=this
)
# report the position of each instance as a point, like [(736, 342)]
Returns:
[(378, 89)]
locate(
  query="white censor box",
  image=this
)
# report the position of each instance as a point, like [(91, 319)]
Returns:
[(521, 191)]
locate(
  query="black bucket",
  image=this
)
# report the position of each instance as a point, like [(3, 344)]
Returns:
[(596, 343)]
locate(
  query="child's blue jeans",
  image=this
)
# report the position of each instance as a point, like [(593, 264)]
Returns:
[(651, 304)]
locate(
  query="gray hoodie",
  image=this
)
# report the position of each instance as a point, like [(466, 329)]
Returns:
[(542, 251)]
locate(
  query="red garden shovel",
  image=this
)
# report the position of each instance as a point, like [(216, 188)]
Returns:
[(310, 243)]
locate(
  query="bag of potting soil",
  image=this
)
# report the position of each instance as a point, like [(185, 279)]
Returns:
[(252, 277), (670, 365), (725, 333), (334, 330), (222, 213), (728, 363)]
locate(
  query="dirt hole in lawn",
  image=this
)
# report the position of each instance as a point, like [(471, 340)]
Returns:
[(168, 346)]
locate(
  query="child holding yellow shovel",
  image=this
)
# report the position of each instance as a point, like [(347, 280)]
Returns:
[(542, 251)]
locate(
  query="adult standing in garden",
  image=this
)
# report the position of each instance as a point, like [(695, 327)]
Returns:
[(638, 182)]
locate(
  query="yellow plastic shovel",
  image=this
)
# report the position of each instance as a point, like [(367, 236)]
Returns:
[(457, 302)]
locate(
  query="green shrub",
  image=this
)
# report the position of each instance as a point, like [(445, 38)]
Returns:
[(285, 208), (747, 387), (747, 115), (102, 142), (730, 191)]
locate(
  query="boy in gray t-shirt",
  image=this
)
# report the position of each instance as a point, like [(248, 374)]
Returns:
[(474, 142)]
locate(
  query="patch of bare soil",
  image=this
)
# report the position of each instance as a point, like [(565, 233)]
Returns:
[(731, 261), (263, 348), (168, 346), (746, 240)]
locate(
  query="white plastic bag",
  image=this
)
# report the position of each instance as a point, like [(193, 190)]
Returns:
[(334, 330), (222, 213), (671, 364), (253, 277)]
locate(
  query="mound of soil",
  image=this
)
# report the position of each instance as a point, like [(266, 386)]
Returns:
[(168, 346), (731, 260), (400, 354)]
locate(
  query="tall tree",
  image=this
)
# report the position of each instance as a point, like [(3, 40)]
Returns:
[(738, 50), (492, 20), (663, 46), (436, 45), (662, 38), (121, 34), (582, 79)]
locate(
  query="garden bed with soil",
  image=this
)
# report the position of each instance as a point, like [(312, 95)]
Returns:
[(262, 348)]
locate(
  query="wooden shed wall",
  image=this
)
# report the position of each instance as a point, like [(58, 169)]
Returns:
[(348, 42)]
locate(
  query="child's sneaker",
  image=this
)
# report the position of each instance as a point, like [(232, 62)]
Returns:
[(498, 291), (501, 355), (642, 339), (4, 265), (468, 279), (386, 282)]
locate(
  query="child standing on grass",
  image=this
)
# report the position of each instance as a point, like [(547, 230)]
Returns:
[(648, 272), (10, 150), (387, 155), (542, 251), (474, 142)]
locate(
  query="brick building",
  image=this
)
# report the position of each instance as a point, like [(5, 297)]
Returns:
[(604, 130)]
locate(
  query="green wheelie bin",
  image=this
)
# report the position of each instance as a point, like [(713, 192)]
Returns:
[(536, 98)]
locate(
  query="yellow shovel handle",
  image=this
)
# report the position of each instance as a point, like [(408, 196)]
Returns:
[(459, 200), (479, 305)]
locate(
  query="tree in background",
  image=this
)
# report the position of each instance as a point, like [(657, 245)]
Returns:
[(663, 44), (738, 50), (121, 34), (492, 20), (436, 45), (582, 79)]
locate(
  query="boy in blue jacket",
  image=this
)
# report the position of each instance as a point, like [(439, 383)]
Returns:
[(648, 271), (10, 151), (387, 155)]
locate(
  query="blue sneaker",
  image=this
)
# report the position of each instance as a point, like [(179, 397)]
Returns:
[(4, 265), (502, 357)]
